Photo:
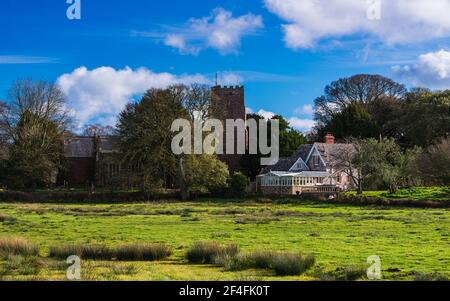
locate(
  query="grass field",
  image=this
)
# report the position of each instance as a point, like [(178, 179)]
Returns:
[(416, 194), (410, 242)]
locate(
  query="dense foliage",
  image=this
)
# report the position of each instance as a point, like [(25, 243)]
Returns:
[(32, 127), (145, 138)]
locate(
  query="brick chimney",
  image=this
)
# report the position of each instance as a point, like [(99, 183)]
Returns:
[(329, 139)]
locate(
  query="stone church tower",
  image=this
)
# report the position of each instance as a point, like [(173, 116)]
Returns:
[(229, 103)]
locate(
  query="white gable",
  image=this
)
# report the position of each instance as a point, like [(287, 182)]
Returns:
[(299, 165), (315, 152)]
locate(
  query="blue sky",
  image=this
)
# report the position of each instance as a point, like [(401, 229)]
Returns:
[(284, 51)]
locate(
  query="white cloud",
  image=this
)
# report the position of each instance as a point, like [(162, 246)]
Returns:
[(401, 21), (20, 59), (179, 42), (302, 124), (101, 94), (220, 31), (305, 110), (230, 79), (432, 70), (266, 114)]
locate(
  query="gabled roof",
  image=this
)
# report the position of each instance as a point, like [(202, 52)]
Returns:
[(328, 153), (284, 164)]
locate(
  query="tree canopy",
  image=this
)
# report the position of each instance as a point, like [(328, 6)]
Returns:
[(145, 138), (33, 126)]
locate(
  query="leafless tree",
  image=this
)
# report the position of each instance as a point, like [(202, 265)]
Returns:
[(347, 160), (362, 88), (197, 102), (34, 124), (42, 101), (434, 163)]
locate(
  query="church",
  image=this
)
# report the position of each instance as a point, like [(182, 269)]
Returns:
[(91, 160)]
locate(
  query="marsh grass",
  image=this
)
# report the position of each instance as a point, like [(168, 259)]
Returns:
[(29, 265), (142, 252), (17, 246), (292, 264), (283, 263), (98, 252), (208, 252)]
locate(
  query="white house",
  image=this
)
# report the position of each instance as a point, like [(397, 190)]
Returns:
[(313, 169)]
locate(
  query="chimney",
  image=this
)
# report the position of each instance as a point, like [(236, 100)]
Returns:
[(329, 139)]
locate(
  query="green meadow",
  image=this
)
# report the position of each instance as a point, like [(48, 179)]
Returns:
[(411, 243)]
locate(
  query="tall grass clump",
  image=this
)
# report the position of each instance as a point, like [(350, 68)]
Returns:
[(17, 246), (292, 264), (245, 261), (29, 265), (96, 252), (209, 252), (142, 252)]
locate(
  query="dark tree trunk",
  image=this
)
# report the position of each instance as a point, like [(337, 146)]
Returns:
[(184, 190)]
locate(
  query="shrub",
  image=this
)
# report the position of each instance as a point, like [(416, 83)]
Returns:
[(98, 252), (238, 184), (292, 264), (209, 252), (142, 252), (17, 246)]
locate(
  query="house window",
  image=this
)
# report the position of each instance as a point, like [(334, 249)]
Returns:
[(339, 179), (316, 160)]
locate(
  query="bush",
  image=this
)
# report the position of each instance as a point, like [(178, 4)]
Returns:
[(292, 264), (209, 252), (240, 262), (142, 252), (17, 246), (238, 184), (98, 252)]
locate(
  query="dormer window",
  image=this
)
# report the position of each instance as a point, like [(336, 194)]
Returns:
[(316, 160)]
